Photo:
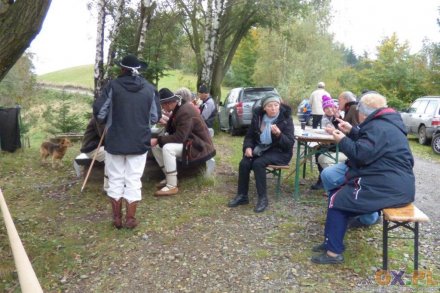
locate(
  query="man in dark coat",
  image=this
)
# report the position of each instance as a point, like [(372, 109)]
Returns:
[(187, 137), (128, 107), (208, 110), (269, 140), (379, 175)]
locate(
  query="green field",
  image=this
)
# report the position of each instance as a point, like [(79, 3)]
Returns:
[(82, 76)]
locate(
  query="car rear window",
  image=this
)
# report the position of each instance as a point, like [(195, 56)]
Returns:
[(250, 96), (432, 106)]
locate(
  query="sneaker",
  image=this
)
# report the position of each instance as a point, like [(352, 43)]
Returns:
[(325, 259), (319, 248)]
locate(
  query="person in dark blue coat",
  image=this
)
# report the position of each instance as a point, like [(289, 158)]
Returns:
[(128, 106), (379, 175), (268, 141)]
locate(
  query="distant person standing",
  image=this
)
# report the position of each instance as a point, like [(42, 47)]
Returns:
[(208, 109), (128, 107), (315, 102)]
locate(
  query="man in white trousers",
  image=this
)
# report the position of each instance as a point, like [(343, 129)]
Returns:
[(128, 106)]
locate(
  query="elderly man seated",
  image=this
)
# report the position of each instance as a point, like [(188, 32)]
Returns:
[(186, 137)]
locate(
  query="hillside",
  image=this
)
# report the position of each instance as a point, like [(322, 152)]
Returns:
[(82, 76)]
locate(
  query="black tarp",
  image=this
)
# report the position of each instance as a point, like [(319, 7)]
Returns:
[(10, 129)]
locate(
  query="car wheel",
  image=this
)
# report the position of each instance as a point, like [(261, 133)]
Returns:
[(436, 144), (232, 129), (422, 135)]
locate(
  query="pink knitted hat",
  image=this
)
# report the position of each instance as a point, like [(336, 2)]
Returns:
[(327, 102)]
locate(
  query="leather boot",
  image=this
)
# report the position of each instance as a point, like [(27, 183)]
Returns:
[(130, 210), (262, 204), (117, 212), (239, 199)]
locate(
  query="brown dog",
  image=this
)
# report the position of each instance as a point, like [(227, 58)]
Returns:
[(55, 150)]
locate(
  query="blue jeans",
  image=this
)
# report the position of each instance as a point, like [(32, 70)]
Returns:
[(334, 176)]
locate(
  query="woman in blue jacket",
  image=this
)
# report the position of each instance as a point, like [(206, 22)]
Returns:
[(268, 141), (379, 174)]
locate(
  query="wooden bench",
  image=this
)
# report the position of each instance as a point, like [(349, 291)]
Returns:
[(402, 217), (275, 170)]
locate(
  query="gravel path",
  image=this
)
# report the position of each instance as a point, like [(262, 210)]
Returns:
[(236, 250)]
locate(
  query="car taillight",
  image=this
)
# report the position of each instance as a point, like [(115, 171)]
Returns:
[(239, 108), (435, 121)]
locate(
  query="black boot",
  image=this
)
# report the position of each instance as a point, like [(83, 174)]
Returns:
[(318, 185), (239, 199), (262, 204)]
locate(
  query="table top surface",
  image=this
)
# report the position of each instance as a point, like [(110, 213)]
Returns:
[(313, 135)]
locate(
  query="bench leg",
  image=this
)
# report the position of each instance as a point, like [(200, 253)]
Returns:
[(278, 188), (416, 246), (385, 245)]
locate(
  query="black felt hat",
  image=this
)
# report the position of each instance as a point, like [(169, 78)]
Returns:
[(132, 62), (165, 95)]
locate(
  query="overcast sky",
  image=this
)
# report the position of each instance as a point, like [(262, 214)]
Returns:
[(68, 35)]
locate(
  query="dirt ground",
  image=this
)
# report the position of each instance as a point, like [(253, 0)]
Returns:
[(236, 250)]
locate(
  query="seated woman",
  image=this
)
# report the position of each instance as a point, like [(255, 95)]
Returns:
[(379, 174), (268, 141), (186, 137)]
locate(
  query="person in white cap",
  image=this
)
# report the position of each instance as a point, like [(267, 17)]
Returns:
[(315, 102)]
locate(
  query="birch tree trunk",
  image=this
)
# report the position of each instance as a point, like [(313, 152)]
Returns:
[(147, 9), (114, 35), (212, 26), (20, 22), (99, 55)]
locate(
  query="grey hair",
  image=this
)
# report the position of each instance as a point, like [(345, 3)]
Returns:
[(185, 93), (348, 96), (370, 102)]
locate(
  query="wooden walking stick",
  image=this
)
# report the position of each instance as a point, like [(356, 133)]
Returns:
[(93, 160)]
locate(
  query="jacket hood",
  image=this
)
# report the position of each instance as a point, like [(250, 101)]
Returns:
[(390, 115), (131, 83)]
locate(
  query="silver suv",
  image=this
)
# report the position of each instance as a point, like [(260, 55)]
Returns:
[(235, 111), (423, 118)]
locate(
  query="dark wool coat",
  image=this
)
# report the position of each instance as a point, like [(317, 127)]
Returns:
[(129, 109), (380, 165), (187, 126), (281, 149), (92, 135)]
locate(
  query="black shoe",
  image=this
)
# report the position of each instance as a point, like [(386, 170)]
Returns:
[(261, 205), (354, 223), (239, 199), (317, 186), (325, 259), (319, 248)]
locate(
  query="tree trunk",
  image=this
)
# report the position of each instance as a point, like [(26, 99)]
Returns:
[(113, 36), (99, 55), (212, 27), (20, 22), (147, 9)]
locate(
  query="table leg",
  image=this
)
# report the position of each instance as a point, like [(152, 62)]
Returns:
[(297, 165)]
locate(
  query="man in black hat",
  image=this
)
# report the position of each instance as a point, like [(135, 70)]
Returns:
[(187, 138), (208, 109), (128, 106)]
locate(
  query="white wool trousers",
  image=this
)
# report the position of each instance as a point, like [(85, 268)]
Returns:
[(124, 176), (166, 158)]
